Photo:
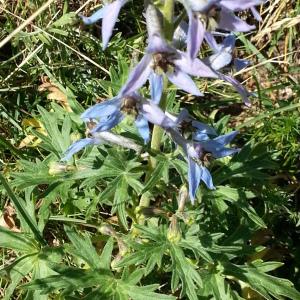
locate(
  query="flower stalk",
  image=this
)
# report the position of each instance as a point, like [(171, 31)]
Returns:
[(157, 133)]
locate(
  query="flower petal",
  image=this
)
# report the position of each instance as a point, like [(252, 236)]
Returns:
[(219, 60), (199, 137), (183, 115), (226, 138), (195, 35), (156, 87), (193, 67), (78, 145), (223, 152), (239, 88), (143, 128), (101, 110), (180, 35), (108, 122), (184, 82), (200, 5), (203, 128), (230, 22), (240, 64), (237, 5), (256, 14), (138, 76), (228, 43), (110, 19), (206, 178), (157, 44), (194, 177), (211, 41), (98, 15), (155, 115)]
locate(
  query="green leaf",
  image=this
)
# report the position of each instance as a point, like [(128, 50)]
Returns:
[(83, 248), (120, 199), (214, 284), (193, 243), (65, 19), (21, 210), (264, 284), (105, 257), (17, 241), (239, 197), (17, 271), (156, 175), (189, 277), (70, 279), (144, 293)]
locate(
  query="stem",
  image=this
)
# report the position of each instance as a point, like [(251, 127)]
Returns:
[(168, 13), (157, 134)]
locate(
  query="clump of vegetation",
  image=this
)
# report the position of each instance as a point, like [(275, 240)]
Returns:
[(115, 187)]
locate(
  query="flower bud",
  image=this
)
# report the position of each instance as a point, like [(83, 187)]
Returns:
[(107, 230), (56, 168), (174, 232), (182, 197)]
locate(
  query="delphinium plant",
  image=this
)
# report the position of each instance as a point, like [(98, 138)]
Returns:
[(168, 203)]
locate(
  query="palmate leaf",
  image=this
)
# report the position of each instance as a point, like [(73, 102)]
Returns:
[(239, 197), (156, 175), (16, 272), (41, 269), (56, 140), (83, 248), (249, 163), (266, 285), (18, 241), (186, 272), (193, 243), (107, 287), (214, 284), (37, 265), (120, 197), (152, 253), (36, 173)]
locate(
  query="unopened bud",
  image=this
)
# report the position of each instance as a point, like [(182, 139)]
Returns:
[(116, 139), (174, 232), (56, 168), (107, 230), (182, 197)]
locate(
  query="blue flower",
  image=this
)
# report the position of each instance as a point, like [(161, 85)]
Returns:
[(222, 52), (161, 58), (106, 115), (226, 19), (185, 121), (109, 15), (200, 150), (79, 145)]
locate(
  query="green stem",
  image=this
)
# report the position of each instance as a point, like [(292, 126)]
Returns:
[(168, 13), (157, 134)]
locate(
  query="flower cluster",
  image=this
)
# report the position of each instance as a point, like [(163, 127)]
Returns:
[(164, 60)]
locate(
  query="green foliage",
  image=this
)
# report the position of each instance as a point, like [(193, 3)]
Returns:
[(79, 232)]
